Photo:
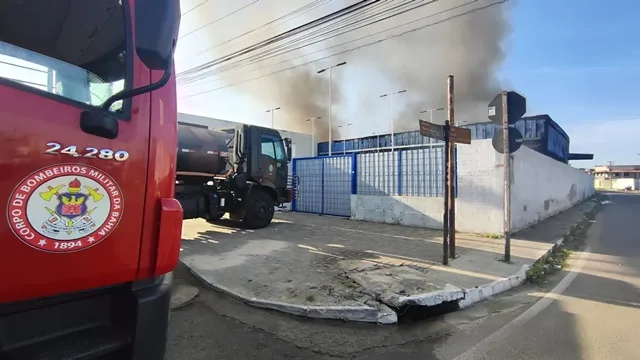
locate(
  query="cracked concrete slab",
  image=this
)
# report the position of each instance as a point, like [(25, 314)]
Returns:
[(327, 267)]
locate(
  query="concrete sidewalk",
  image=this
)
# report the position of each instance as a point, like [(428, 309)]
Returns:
[(326, 267)]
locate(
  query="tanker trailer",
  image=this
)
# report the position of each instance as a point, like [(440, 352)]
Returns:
[(243, 174)]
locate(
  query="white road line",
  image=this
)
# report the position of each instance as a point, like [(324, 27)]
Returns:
[(485, 345)]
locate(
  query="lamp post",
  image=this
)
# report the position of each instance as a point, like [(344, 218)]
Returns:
[(390, 95), (430, 111), (313, 134), (330, 68), (272, 111), (344, 150)]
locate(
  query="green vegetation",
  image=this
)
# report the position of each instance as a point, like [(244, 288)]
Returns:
[(557, 259)]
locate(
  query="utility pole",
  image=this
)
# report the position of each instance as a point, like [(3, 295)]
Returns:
[(330, 68), (313, 134), (390, 95), (611, 174), (272, 111), (452, 171), (445, 222), (507, 178)]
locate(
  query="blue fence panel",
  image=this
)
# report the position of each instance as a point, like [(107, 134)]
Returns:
[(422, 172), (307, 181), (337, 184), (323, 185)]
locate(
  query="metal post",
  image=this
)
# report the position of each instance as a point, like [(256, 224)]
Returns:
[(330, 101), (313, 137), (445, 220), (272, 122), (391, 120), (507, 178), (452, 175), (314, 146)]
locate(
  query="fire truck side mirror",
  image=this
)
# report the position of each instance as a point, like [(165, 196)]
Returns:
[(157, 24)]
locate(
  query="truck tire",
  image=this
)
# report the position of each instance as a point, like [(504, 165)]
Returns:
[(215, 217), (259, 209)]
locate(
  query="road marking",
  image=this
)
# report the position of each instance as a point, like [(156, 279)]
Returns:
[(485, 345)]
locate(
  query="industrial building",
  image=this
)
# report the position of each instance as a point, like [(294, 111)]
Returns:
[(540, 133)]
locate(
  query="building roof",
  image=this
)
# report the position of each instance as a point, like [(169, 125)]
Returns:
[(618, 168)]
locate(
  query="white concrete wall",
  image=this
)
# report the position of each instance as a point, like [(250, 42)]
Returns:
[(541, 187)]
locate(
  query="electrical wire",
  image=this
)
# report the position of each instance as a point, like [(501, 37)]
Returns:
[(468, 12), (195, 7), (376, 33), (204, 74), (206, 69), (296, 13), (218, 19), (272, 54), (336, 14), (304, 37), (203, 69)]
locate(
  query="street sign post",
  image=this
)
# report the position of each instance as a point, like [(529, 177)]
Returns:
[(516, 103), (515, 140), (505, 110), (431, 130)]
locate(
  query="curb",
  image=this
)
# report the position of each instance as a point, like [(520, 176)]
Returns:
[(383, 314), (183, 295), (447, 294), (380, 315), (483, 292)]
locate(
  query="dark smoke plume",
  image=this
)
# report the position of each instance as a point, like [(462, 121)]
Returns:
[(468, 47)]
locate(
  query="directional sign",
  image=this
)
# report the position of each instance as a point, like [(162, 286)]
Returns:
[(515, 140), (431, 130), (517, 107), (460, 135)]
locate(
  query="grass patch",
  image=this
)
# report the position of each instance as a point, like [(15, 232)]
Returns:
[(492, 235), (557, 259)]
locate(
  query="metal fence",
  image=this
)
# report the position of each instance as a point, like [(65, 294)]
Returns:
[(411, 172), (324, 185)]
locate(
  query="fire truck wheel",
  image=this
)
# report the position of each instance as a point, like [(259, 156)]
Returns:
[(260, 209)]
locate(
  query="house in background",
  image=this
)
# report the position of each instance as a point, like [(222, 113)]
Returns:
[(617, 177)]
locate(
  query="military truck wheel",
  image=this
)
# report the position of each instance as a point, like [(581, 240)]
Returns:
[(215, 217), (259, 210)]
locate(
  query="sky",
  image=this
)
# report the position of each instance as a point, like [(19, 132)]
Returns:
[(579, 61), (576, 60)]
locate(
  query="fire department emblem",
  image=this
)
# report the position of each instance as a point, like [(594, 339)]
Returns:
[(65, 208)]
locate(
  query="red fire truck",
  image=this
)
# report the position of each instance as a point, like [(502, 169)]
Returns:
[(89, 130)]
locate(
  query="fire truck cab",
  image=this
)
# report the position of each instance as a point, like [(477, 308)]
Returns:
[(88, 132)]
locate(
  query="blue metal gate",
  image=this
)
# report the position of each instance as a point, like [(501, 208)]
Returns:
[(323, 185)]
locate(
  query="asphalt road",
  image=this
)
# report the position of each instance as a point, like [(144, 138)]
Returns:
[(592, 313), (589, 312)]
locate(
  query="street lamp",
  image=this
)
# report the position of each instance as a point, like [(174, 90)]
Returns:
[(330, 68), (272, 111), (390, 95), (430, 111), (313, 134), (344, 125)]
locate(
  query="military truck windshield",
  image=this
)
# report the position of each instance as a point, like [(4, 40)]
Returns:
[(67, 48)]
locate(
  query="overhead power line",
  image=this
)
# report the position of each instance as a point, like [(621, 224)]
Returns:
[(218, 19), (334, 15), (468, 12), (291, 15), (318, 38)]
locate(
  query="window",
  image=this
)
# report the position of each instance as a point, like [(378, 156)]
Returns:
[(76, 51), (273, 147)]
